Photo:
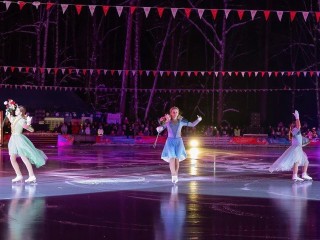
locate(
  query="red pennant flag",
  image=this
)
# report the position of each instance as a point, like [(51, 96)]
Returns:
[(214, 13), (223, 73), (78, 7), (126, 72), (196, 73), (187, 11), (266, 14), (311, 73), (240, 14), (298, 74), (210, 73), (292, 15), (276, 74), (181, 73), (49, 5), (262, 74), (160, 11), (236, 73), (98, 71), (105, 10), (112, 72), (21, 4), (84, 71), (132, 9), (140, 72), (249, 74), (27, 69), (318, 16), (55, 71), (168, 73), (289, 74), (41, 70), (154, 73), (12, 69), (70, 70)]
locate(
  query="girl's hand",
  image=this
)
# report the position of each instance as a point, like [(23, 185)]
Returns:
[(199, 118), (296, 114)]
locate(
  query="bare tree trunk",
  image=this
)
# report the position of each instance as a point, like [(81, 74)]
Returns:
[(45, 46), (316, 39), (136, 64), (56, 47), (38, 54), (164, 43), (126, 64)]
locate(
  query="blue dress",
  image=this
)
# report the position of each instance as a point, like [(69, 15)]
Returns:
[(174, 147), (20, 145), (294, 154)]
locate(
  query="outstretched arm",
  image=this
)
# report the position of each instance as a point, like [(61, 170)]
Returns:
[(296, 115), (193, 124)]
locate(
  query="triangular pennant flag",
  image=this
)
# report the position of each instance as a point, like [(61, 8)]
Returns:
[(78, 8), (105, 71), (160, 11), (174, 12), (318, 73), (49, 5), (69, 70), (196, 73), (269, 74), (27, 69), (282, 73), (175, 73), (292, 15), (64, 7), (147, 73), (63, 70), (263, 73), (280, 14), (21, 4), (41, 70), (84, 71), (253, 13), (242, 73), (126, 72), (214, 13), (7, 3), (240, 14), (36, 4), (168, 73), (132, 9), (77, 71), (318, 16), (181, 73), (226, 12), (12, 69), (119, 10), (140, 72), (105, 9), (216, 73), (229, 73), (276, 74), (55, 71), (289, 74), (223, 73), (266, 14), (98, 71), (298, 74), (200, 12), (202, 73), (119, 72), (189, 73), (154, 73), (92, 8), (305, 15), (249, 74), (256, 74), (48, 70), (187, 12), (161, 73), (34, 69), (19, 69), (134, 72), (146, 11), (91, 71), (311, 73)]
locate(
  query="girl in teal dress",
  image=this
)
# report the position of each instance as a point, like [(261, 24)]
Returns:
[(174, 150), (20, 145)]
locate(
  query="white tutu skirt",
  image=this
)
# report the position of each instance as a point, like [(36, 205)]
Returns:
[(292, 155), (174, 148), (20, 145)]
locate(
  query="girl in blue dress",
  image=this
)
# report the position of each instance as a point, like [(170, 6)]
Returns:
[(174, 150), (294, 156), (20, 145)]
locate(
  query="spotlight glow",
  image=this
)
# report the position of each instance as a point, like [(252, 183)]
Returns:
[(194, 152), (194, 143)]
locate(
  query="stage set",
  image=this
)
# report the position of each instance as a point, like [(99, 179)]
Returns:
[(125, 192)]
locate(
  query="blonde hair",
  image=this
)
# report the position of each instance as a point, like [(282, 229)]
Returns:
[(176, 108), (23, 110)]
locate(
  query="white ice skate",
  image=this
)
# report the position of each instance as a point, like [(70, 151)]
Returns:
[(305, 176), (17, 179)]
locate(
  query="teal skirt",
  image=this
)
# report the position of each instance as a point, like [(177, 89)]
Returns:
[(174, 148), (20, 145)]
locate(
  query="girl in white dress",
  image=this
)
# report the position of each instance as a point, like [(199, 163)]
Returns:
[(294, 156)]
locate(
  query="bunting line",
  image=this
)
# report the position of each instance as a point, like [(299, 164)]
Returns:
[(187, 12), (161, 73), (163, 90)]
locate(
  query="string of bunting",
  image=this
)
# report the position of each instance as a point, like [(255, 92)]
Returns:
[(162, 73), (182, 90), (240, 13)]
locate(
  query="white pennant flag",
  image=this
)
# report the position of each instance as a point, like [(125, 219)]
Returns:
[(92, 8), (200, 12), (202, 73), (226, 12), (146, 11), (304, 74), (105, 71), (269, 73), (64, 7), (279, 14), (119, 72), (5, 68), (161, 73), (242, 73), (175, 73), (48, 70), (253, 13), (36, 4), (282, 73), (19, 68), (91, 71), (63, 70), (216, 73), (305, 15), (174, 12), (189, 73), (230, 73), (77, 71), (256, 74), (318, 73), (133, 72), (147, 72), (119, 10), (7, 3), (34, 69)]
